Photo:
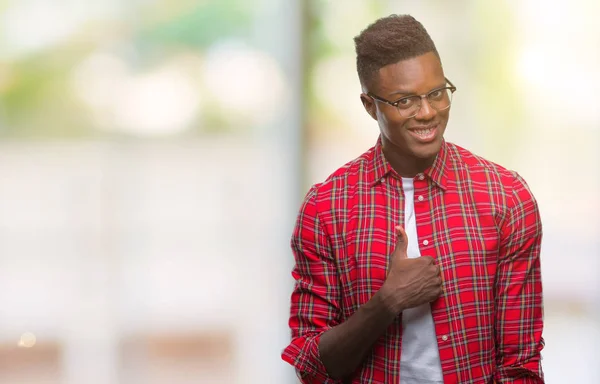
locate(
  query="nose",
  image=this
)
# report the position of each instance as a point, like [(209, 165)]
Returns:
[(426, 112)]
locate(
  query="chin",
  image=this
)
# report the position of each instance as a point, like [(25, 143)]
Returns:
[(425, 155), (427, 151)]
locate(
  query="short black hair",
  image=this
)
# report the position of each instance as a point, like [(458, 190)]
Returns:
[(387, 41)]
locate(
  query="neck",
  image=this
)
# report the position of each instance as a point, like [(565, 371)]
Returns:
[(405, 165)]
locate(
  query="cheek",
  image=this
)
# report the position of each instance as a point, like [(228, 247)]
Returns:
[(381, 117), (444, 116), (396, 129), (389, 124)]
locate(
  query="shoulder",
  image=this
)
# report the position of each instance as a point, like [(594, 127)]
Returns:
[(475, 164), (353, 174), (480, 169), (489, 176)]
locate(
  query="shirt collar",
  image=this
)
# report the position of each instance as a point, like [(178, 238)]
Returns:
[(438, 172), (381, 167), (440, 169)]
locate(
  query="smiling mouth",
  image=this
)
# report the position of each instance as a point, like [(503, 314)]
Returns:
[(424, 134)]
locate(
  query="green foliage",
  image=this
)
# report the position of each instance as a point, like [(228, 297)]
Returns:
[(200, 25), (38, 101)]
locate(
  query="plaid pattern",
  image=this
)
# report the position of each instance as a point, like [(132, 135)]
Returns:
[(481, 224)]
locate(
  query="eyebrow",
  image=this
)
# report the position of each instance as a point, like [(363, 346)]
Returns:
[(407, 93)]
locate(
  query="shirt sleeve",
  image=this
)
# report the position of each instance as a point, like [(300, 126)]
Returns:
[(519, 315), (315, 301)]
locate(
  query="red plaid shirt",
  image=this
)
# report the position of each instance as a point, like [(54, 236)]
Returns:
[(481, 224)]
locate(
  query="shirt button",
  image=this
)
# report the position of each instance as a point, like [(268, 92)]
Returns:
[(421, 198), (421, 176), (425, 242), (382, 179), (445, 338)]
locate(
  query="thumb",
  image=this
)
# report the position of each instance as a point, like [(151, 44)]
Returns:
[(401, 243)]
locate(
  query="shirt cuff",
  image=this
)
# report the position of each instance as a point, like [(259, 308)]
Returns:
[(303, 355)]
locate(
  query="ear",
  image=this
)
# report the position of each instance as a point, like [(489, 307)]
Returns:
[(369, 104)]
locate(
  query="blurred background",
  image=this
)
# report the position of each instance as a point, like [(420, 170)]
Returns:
[(154, 153)]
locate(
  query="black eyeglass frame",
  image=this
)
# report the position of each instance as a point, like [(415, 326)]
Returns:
[(452, 89)]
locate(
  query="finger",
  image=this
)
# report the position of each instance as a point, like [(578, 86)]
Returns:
[(435, 271), (401, 243), (427, 260)]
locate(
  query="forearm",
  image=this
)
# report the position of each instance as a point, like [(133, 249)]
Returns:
[(518, 376), (519, 297), (344, 347)]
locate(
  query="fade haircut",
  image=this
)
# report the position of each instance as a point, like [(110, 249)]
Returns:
[(387, 41)]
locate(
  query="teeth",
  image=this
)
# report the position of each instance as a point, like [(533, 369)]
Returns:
[(423, 132)]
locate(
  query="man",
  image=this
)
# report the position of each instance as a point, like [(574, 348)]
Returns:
[(417, 262)]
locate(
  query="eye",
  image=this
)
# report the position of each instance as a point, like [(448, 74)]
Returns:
[(406, 102), (437, 94)]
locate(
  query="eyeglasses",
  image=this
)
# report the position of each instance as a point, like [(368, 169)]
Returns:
[(439, 98)]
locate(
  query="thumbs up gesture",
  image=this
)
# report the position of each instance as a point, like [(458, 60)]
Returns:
[(410, 282), (401, 250)]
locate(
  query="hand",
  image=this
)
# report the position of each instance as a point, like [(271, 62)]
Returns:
[(410, 282)]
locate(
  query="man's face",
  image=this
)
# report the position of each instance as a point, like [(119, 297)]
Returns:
[(420, 136)]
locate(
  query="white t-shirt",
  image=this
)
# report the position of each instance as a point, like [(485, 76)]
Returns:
[(420, 358)]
